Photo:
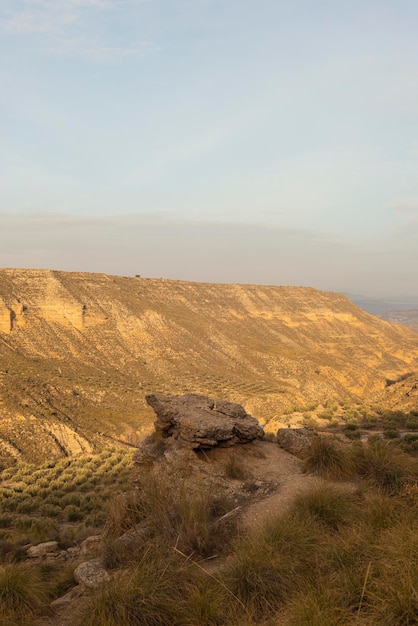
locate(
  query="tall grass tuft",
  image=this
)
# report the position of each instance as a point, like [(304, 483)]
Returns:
[(267, 567), (158, 591), (327, 505), (386, 466), (22, 594), (328, 459)]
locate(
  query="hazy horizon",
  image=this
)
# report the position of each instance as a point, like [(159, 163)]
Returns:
[(269, 143)]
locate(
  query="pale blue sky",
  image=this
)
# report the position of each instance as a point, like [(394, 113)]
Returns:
[(235, 141)]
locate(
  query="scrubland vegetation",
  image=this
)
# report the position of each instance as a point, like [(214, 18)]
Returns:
[(346, 552), (354, 420), (65, 500)]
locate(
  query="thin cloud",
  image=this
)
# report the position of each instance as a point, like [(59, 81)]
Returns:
[(65, 22), (406, 204), (78, 48)]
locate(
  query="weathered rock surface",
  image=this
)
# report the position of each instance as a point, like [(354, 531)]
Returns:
[(43, 549), (91, 574), (198, 422), (68, 598), (296, 440), (91, 544)]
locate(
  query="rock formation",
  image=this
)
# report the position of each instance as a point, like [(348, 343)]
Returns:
[(198, 422), (296, 440)]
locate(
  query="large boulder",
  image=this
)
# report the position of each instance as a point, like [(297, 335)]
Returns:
[(296, 440), (199, 422)]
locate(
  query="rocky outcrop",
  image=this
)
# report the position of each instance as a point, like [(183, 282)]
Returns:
[(198, 422), (91, 574), (48, 548), (296, 440)]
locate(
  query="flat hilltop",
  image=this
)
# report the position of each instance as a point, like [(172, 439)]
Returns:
[(79, 352)]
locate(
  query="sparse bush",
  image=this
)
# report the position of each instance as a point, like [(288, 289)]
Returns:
[(73, 513), (391, 433), (326, 415), (351, 431), (409, 443), (235, 469), (369, 421), (411, 422), (6, 520)]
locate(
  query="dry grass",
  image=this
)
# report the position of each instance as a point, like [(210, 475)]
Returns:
[(385, 465), (22, 594), (328, 458)]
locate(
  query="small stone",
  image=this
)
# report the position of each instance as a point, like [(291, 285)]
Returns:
[(73, 551), (90, 544)]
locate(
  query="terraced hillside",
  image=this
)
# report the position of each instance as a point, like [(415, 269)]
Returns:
[(78, 353)]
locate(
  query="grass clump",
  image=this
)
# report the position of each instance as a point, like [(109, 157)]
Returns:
[(326, 505), (315, 605), (266, 567), (159, 590), (328, 458), (385, 465), (22, 594), (172, 514)]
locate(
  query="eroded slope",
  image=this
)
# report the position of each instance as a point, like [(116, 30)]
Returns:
[(83, 350)]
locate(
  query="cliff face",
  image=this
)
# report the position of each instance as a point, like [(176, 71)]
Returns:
[(84, 349)]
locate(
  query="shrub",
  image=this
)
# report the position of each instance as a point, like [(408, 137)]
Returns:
[(391, 433), (6, 520), (369, 421), (411, 422), (326, 415), (73, 513)]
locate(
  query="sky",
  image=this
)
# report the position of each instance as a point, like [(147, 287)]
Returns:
[(250, 141)]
